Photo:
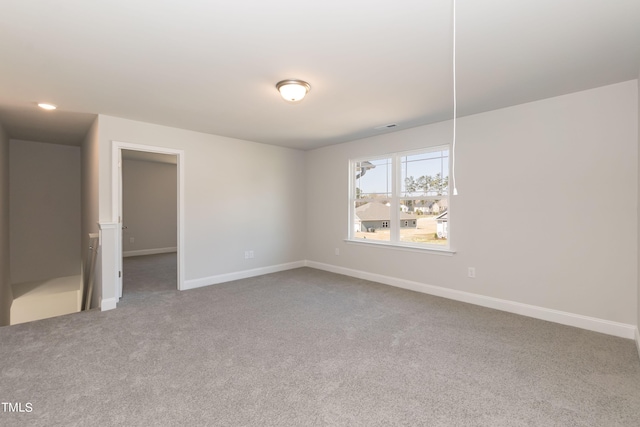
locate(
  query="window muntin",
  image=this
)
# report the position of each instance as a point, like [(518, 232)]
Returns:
[(402, 198)]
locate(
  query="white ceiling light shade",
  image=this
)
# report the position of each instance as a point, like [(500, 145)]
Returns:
[(293, 90), (46, 106)]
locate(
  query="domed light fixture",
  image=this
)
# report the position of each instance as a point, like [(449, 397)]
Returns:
[(46, 106), (293, 90)]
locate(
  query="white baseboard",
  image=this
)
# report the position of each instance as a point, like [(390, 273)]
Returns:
[(622, 330), (108, 304), (244, 274), (149, 251)]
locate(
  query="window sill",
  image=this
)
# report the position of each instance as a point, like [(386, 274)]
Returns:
[(397, 246)]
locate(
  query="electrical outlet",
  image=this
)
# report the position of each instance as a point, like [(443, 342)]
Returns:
[(250, 254), (131, 240), (472, 272), (337, 251)]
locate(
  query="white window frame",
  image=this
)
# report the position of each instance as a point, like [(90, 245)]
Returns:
[(395, 200)]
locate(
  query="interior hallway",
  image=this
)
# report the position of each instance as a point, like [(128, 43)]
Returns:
[(148, 274)]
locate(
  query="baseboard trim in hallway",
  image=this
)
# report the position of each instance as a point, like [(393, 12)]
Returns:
[(149, 251)]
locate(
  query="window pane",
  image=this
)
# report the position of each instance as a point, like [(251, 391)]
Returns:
[(424, 221), (425, 174), (372, 221), (418, 199), (373, 179)]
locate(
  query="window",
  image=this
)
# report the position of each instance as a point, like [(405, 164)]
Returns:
[(401, 198)]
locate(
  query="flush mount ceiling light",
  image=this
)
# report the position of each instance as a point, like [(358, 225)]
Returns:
[(46, 106), (293, 90)]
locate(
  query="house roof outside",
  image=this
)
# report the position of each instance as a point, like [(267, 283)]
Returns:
[(443, 216), (442, 203), (375, 211)]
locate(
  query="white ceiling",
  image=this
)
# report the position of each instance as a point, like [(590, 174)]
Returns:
[(212, 66)]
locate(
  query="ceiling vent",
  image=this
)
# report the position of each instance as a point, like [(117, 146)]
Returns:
[(389, 126)]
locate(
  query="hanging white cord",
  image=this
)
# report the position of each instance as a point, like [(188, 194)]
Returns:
[(455, 106)]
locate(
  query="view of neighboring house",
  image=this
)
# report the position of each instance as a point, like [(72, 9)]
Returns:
[(431, 207), (374, 216), (442, 228)]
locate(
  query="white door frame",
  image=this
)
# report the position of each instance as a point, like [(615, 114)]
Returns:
[(116, 203)]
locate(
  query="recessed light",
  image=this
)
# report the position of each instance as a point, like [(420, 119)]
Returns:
[(46, 106)]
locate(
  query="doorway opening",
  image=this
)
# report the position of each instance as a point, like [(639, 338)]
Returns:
[(149, 209), (149, 223)]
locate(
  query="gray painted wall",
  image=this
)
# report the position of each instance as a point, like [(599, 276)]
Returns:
[(45, 210), (6, 298), (239, 196), (89, 189), (546, 167), (149, 205)]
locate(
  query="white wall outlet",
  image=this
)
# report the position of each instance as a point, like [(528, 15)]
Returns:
[(250, 254), (131, 239), (472, 272), (337, 251)]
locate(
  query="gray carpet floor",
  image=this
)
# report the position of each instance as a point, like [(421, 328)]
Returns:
[(148, 274), (310, 348)]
